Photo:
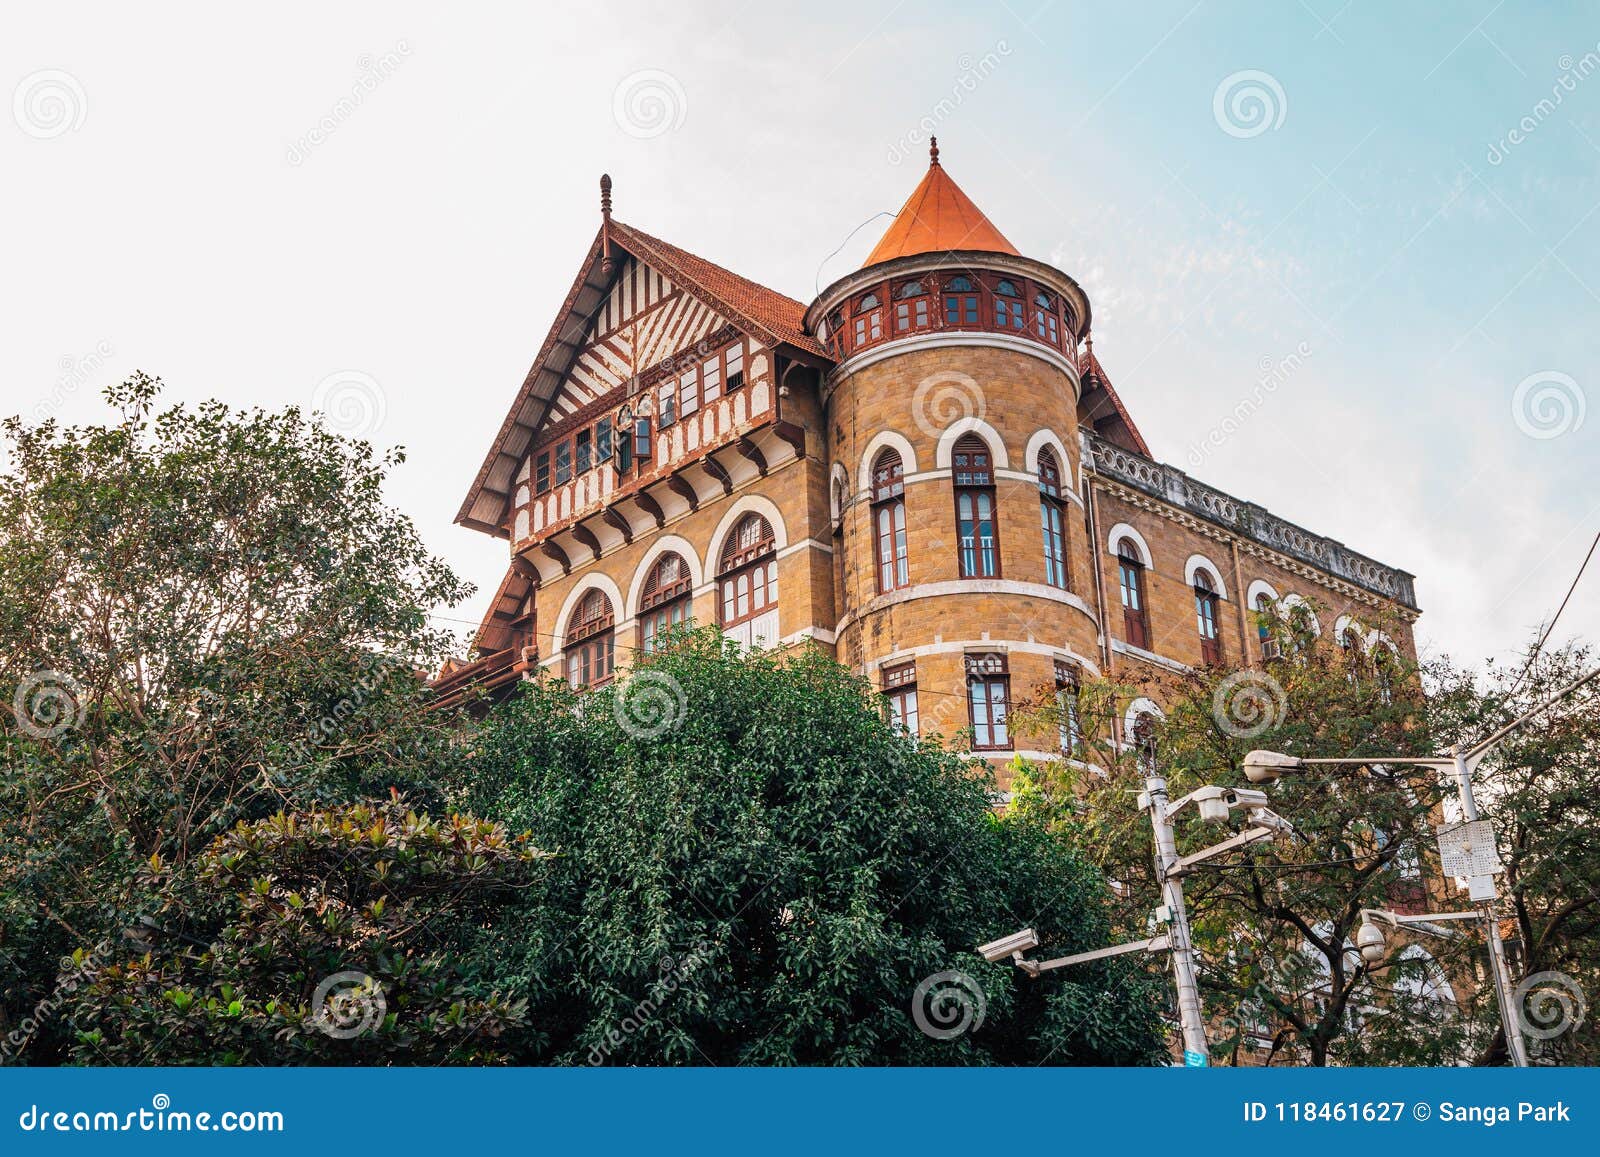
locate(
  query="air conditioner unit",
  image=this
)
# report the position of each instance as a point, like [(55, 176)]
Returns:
[(1271, 649)]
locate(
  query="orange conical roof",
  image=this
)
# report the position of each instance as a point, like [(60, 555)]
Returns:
[(937, 218)]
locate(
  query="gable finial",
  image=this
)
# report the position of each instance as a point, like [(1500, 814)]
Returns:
[(933, 152), (606, 262)]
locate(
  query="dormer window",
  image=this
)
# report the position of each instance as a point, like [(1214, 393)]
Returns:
[(1045, 325), (1007, 305), (911, 307), (869, 320), (960, 302)]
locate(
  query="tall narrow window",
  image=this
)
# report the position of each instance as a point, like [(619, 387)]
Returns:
[(977, 542), (1130, 581), (1067, 703), (1205, 614), (602, 440), (960, 302), (1350, 649), (585, 449), (735, 366), (541, 473), (711, 379), (688, 392), (747, 579), (1143, 740), (900, 691), (889, 521), (665, 601), (911, 307), (563, 462), (1263, 617), (988, 702), (1052, 520), (590, 643), (667, 403), (1007, 305), (1383, 672)]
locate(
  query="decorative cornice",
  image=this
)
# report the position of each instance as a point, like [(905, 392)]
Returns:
[(1259, 532)]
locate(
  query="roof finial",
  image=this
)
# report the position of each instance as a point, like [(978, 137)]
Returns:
[(933, 152), (606, 262)]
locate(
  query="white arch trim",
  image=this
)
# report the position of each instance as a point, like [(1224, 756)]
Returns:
[(970, 425), (1138, 707), (1261, 587), (591, 581), (836, 491), (1195, 563), (1345, 622), (1289, 602), (666, 543), (1121, 531), (1041, 439), (886, 440), (747, 504)]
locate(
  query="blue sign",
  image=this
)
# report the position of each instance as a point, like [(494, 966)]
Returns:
[(1194, 1060), (661, 1112)]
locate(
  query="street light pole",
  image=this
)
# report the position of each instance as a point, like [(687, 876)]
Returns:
[(1190, 1017), (1505, 994), (1462, 760)]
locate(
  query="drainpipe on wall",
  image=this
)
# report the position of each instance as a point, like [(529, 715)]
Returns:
[(1092, 510), (1239, 597)]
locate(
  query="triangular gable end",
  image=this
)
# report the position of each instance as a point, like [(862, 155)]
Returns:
[(589, 321), (643, 320)]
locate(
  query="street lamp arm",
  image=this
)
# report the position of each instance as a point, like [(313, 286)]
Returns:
[(1477, 750)]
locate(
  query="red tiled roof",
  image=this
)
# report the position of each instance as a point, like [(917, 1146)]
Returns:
[(766, 309), (1094, 371), (939, 218)]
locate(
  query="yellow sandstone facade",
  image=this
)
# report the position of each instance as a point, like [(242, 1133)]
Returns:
[(925, 471)]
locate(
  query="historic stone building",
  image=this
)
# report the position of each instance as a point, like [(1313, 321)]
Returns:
[(925, 471)]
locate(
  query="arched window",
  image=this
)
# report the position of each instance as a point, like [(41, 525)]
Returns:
[(977, 539), (1045, 325), (665, 601), (1052, 520), (1350, 648), (591, 642), (747, 578), (1303, 628), (889, 521), (1263, 617), (1383, 670), (1130, 581), (1205, 613), (911, 309), (960, 302), (868, 320), (1007, 305), (1143, 740)]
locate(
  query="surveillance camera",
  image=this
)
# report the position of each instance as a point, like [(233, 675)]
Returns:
[(1008, 946), (1246, 797), (1267, 766), (1212, 803), (1370, 939)]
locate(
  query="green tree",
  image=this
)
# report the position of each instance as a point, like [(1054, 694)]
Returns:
[(330, 937), (206, 616), (1540, 786), (755, 868), (1274, 925)]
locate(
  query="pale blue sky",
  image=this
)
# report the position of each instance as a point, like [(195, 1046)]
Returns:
[(178, 219)]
